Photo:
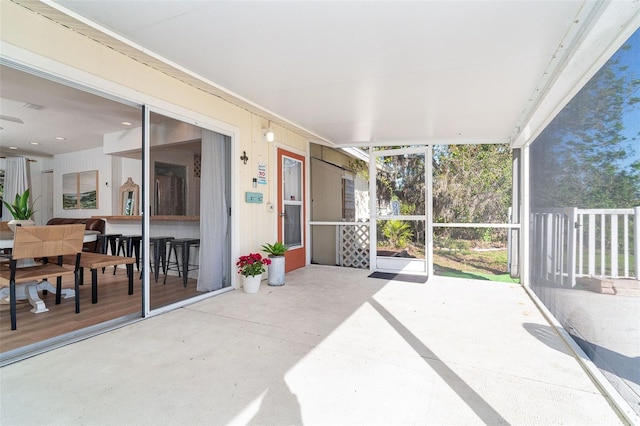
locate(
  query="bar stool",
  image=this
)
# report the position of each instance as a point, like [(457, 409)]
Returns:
[(182, 262), (159, 247), (105, 241), (129, 245)]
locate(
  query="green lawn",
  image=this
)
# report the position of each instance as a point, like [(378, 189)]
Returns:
[(607, 262), (479, 265)]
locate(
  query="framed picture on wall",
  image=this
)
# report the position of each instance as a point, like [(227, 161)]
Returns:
[(80, 190)]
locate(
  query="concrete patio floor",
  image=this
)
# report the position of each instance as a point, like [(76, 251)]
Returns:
[(331, 347)]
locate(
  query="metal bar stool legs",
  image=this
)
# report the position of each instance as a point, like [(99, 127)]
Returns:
[(159, 246), (130, 245), (104, 242), (181, 263)]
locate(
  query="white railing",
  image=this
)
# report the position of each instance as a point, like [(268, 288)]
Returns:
[(571, 242)]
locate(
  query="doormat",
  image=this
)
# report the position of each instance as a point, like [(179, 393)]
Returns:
[(400, 277)]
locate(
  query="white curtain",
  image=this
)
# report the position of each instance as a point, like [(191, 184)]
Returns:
[(214, 259), (15, 179)]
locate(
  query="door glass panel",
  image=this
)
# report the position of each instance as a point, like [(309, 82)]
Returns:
[(292, 179), (400, 185), (401, 212), (293, 225), (292, 201)]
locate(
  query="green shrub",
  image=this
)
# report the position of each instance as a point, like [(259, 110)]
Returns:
[(397, 232)]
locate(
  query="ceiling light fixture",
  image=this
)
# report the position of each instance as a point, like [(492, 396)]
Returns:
[(35, 143), (13, 147), (29, 105), (127, 123), (11, 119), (269, 134), (60, 138)]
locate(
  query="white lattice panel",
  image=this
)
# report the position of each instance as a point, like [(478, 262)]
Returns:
[(354, 246)]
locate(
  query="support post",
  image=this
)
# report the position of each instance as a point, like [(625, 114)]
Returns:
[(636, 239), (571, 245)]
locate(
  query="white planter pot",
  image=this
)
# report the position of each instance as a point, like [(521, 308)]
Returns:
[(276, 270), (251, 284), (15, 222)]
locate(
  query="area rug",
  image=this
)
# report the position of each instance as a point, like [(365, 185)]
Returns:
[(400, 277)]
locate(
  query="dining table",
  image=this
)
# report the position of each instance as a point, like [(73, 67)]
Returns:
[(29, 291)]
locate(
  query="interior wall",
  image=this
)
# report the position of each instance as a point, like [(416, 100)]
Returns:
[(83, 161)]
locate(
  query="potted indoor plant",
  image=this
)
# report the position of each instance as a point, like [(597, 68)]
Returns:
[(276, 268), (251, 268), (21, 211)]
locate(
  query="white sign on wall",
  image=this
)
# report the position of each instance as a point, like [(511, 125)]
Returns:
[(262, 174)]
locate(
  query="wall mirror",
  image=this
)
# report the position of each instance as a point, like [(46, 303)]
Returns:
[(129, 196)]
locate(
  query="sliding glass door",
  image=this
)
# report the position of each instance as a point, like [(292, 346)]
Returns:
[(188, 252)]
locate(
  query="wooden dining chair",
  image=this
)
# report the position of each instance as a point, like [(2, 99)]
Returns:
[(40, 242)]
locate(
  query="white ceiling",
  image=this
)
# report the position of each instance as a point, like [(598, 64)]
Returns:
[(34, 111), (360, 72)]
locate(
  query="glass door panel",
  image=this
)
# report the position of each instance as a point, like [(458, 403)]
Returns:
[(400, 211), (292, 225), (292, 202), (187, 170), (292, 179)]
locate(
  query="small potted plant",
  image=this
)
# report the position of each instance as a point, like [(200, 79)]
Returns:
[(251, 268), (21, 211), (276, 268)]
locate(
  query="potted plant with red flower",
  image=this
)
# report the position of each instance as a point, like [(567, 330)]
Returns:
[(251, 267)]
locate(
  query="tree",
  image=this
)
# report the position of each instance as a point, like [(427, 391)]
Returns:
[(472, 183), (584, 158)]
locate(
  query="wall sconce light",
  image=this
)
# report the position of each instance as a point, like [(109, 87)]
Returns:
[(244, 157), (269, 134)]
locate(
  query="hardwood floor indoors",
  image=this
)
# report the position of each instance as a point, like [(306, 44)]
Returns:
[(113, 302)]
